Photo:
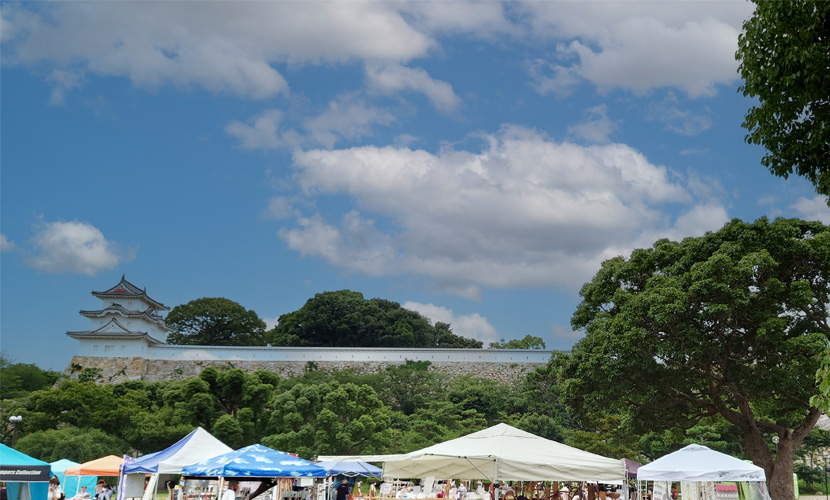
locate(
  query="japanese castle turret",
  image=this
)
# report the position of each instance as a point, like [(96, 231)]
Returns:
[(126, 325)]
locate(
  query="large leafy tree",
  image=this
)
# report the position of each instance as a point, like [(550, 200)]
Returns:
[(732, 323), (784, 61), (79, 445), (328, 419), (214, 321), (346, 319)]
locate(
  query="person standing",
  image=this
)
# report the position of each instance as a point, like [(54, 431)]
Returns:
[(230, 493), (342, 491), (55, 491)]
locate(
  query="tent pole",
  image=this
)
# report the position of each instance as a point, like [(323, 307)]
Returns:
[(476, 466)]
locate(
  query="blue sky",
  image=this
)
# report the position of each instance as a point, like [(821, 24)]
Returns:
[(473, 161)]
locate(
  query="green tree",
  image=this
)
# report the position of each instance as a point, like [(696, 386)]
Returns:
[(18, 379), (822, 397), (784, 56), (346, 319), (214, 321), (79, 445), (328, 419), (528, 342), (409, 386), (732, 324), (488, 397)]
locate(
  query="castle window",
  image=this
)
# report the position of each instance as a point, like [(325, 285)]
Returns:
[(123, 348), (95, 348), (109, 348)]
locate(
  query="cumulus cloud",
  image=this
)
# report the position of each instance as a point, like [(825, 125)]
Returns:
[(638, 47), (472, 326), (220, 46), (394, 78), (74, 247), (812, 209), (7, 245), (244, 48), (523, 211)]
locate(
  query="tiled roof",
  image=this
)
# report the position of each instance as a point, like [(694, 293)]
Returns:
[(149, 314), (113, 330), (126, 289)]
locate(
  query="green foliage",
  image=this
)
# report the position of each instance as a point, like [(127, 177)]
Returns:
[(79, 445), (214, 321), (821, 399), (228, 430), (409, 386), (487, 397), (345, 319), (609, 436), (733, 323), (528, 342), (17, 379), (328, 419), (784, 56)]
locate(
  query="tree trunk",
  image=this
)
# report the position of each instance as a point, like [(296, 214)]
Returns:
[(780, 482)]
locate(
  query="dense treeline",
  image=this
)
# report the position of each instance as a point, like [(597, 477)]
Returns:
[(330, 319), (403, 408)]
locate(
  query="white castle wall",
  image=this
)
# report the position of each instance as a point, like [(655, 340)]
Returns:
[(119, 360)]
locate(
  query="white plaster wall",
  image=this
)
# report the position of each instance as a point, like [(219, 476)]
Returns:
[(118, 348), (304, 354), (111, 348)]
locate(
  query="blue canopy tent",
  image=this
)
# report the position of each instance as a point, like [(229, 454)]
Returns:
[(72, 485), (25, 477), (351, 469), (197, 445), (255, 461)]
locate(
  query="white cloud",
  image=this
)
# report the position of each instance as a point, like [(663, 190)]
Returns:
[(812, 209), (220, 46), (524, 211), (243, 47), (347, 117), (639, 46), (394, 78), (74, 247), (472, 326), (597, 127), (280, 207), (271, 322), (7, 245), (261, 132)]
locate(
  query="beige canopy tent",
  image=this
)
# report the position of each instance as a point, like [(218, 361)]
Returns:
[(499, 453)]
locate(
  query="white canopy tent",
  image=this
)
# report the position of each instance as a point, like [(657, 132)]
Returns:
[(193, 448), (699, 463), (499, 453), (697, 469)]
